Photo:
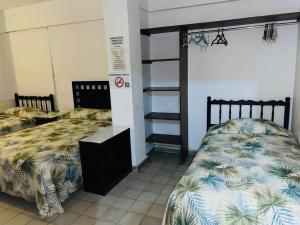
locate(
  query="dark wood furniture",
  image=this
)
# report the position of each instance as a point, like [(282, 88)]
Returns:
[(44, 103), (182, 116), (105, 155), (44, 120), (105, 159), (91, 94), (250, 104)]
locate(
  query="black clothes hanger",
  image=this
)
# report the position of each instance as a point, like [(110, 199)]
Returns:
[(215, 41), (223, 40), (220, 39)]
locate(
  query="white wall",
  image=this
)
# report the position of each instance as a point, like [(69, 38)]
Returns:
[(161, 16), (7, 81), (79, 53), (52, 13), (296, 113), (247, 68), (54, 43), (127, 104), (32, 62)]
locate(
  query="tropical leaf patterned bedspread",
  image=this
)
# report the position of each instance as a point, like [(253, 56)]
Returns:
[(10, 123), (240, 178), (42, 164)]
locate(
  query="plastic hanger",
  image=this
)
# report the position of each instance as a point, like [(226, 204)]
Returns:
[(215, 41)]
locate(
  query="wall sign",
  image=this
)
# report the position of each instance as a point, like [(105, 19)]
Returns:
[(119, 81), (118, 54)]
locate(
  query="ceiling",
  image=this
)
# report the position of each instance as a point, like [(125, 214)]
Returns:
[(8, 4)]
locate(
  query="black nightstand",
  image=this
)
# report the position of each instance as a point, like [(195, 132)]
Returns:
[(105, 159), (44, 120)]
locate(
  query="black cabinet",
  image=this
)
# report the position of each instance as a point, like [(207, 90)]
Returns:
[(105, 159)]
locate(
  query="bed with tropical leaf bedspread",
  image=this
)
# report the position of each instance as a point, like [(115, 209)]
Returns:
[(246, 172), (18, 118), (42, 164)]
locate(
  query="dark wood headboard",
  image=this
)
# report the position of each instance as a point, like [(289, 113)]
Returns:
[(44, 103), (91, 94), (250, 104)]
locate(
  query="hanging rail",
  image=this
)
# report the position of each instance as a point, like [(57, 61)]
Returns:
[(224, 23), (242, 27)]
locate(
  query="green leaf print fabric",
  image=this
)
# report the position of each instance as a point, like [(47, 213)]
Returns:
[(42, 164), (240, 178), (9, 123)]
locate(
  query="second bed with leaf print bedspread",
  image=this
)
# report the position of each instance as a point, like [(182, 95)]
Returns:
[(240, 177), (42, 164)]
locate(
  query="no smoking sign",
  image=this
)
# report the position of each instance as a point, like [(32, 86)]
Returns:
[(119, 81)]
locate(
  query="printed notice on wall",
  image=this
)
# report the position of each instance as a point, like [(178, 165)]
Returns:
[(118, 54), (119, 81)]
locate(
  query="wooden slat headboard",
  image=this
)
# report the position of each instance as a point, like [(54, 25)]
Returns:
[(91, 94), (44, 103), (250, 103)]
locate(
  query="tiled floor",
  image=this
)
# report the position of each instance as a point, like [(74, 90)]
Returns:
[(140, 199)]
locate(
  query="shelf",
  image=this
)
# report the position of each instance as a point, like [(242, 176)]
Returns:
[(159, 60), (163, 116), (164, 139), (223, 23), (162, 89)]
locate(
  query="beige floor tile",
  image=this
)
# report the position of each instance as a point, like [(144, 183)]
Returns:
[(150, 170), (96, 211), (113, 215), (138, 184), (145, 177), (148, 197), (67, 204), (131, 218), (101, 222), (167, 190), (151, 221), (154, 187), (132, 193), (140, 207), (80, 206), (117, 190), (156, 211), (160, 179), (162, 200), (66, 218), (165, 172), (90, 197), (36, 222), (172, 181), (84, 220), (19, 220), (107, 200), (7, 215), (123, 203)]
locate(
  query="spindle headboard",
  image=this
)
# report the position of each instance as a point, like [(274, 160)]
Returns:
[(250, 104), (44, 103)]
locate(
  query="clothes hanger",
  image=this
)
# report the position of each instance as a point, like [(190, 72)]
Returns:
[(192, 39), (202, 38), (223, 39), (215, 41)]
